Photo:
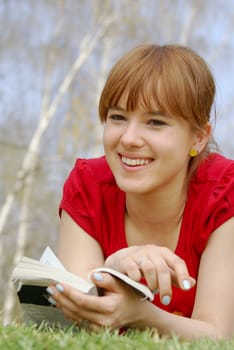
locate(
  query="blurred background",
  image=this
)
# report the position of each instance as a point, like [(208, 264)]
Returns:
[(54, 58)]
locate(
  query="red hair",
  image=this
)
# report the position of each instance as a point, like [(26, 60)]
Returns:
[(172, 78)]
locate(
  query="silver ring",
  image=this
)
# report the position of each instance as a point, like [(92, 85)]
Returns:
[(141, 261)]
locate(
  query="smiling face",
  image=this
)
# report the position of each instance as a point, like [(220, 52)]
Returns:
[(147, 150), (156, 107)]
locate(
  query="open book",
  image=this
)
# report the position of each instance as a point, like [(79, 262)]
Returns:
[(32, 277)]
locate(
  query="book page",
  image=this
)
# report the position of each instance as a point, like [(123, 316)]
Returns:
[(33, 272), (31, 278), (38, 314), (49, 258)]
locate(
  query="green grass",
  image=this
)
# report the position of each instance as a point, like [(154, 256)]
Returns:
[(28, 338)]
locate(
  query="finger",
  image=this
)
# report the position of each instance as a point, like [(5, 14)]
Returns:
[(100, 311), (72, 299), (107, 282), (77, 306), (131, 268), (148, 271), (184, 284), (164, 282), (180, 271), (157, 275), (69, 308), (58, 296), (125, 261)]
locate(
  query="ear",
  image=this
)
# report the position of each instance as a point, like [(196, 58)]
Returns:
[(201, 138)]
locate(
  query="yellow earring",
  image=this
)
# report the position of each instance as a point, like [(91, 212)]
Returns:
[(193, 152)]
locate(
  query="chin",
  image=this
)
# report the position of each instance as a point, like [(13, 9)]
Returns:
[(131, 187)]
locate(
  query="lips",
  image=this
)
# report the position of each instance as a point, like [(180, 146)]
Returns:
[(135, 161)]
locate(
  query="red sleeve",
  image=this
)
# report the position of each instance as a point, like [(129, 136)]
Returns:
[(224, 198), (218, 207), (81, 197)]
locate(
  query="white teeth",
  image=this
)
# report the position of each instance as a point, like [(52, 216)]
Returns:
[(135, 162)]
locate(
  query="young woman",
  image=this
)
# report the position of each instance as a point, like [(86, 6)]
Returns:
[(159, 205)]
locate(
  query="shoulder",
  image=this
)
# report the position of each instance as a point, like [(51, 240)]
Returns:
[(215, 168), (89, 185), (211, 196), (88, 179), (95, 168), (212, 187), (214, 181), (89, 191)]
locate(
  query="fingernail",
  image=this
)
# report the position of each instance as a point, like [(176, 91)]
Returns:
[(59, 288), (98, 276), (156, 291), (166, 300), (50, 291), (186, 285), (51, 301)]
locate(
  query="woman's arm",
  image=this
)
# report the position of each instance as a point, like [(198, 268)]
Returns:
[(215, 287), (213, 314), (77, 250)]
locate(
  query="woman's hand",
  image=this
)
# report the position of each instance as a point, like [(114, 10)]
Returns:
[(119, 306), (160, 267)]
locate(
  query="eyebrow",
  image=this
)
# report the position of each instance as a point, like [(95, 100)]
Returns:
[(117, 108), (153, 112), (159, 113)]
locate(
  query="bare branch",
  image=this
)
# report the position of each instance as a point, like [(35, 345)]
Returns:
[(188, 23), (28, 165)]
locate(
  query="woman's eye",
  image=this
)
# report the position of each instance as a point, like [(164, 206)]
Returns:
[(116, 117), (156, 122)]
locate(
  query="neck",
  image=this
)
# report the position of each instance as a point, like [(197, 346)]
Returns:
[(157, 208)]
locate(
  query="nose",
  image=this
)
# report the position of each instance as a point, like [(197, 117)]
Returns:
[(132, 135)]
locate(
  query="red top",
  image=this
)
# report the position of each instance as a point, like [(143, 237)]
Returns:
[(92, 198)]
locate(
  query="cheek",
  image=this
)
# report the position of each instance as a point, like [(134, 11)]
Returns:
[(110, 134), (174, 146), (105, 134), (108, 137), (181, 141)]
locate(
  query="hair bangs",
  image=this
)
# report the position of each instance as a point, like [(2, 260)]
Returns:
[(172, 79), (133, 79)]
